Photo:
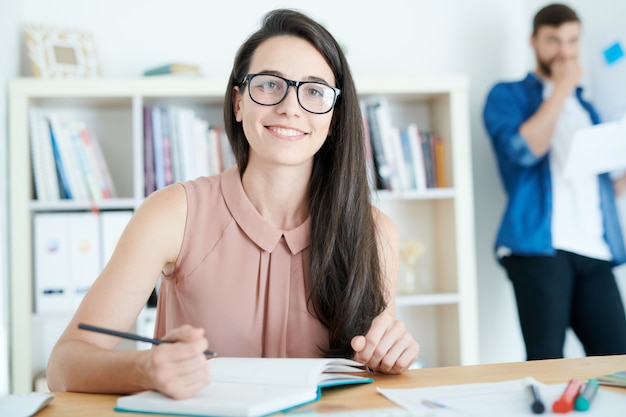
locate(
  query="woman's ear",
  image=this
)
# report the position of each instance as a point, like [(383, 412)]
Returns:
[(237, 104)]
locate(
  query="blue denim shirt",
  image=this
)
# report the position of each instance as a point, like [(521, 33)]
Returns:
[(526, 225)]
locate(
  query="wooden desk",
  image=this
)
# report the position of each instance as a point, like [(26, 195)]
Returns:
[(365, 396)]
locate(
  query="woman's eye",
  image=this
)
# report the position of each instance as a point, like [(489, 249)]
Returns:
[(314, 92), (270, 85)]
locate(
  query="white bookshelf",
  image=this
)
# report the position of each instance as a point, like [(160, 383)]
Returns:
[(443, 321)]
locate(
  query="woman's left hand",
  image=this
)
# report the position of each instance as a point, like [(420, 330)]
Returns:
[(387, 347)]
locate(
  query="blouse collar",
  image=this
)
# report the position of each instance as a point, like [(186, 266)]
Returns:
[(264, 234)]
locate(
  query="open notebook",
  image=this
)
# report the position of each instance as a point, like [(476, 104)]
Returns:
[(252, 387)]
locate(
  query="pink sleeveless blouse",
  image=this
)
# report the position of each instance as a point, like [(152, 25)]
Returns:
[(240, 278)]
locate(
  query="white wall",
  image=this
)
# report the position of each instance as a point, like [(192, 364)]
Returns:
[(486, 39)]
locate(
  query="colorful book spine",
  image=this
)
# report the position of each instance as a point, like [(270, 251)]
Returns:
[(64, 185), (159, 158), (148, 152), (102, 166)]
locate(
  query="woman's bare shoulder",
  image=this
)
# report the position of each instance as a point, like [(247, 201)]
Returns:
[(384, 223), (168, 201), (162, 217)]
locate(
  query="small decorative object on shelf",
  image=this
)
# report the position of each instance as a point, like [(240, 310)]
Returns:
[(61, 53), (411, 280)]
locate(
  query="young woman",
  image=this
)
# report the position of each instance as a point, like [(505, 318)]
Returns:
[(282, 256)]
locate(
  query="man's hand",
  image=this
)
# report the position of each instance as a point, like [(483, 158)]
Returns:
[(179, 369), (619, 185), (387, 347), (566, 73)]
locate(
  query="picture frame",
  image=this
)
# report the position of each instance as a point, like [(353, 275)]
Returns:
[(61, 53)]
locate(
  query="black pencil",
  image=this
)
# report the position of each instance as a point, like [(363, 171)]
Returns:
[(131, 336)]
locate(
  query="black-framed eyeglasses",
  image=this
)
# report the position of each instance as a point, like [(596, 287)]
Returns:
[(269, 90)]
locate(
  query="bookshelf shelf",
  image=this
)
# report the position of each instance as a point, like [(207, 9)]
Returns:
[(443, 321), (427, 299), (428, 194), (70, 205)]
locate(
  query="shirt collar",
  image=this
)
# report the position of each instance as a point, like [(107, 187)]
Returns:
[(262, 233)]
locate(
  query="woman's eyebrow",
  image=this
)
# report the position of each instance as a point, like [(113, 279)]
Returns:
[(312, 78)]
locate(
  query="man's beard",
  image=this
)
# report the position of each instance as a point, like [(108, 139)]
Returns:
[(545, 67)]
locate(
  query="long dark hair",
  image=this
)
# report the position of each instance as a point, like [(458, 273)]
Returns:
[(347, 290)]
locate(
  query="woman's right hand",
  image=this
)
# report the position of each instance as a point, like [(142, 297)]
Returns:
[(179, 369)]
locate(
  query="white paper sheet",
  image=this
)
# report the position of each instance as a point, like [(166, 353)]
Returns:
[(597, 149), (498, 399)]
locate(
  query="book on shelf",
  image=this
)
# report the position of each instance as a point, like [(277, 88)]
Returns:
[(179, 146), (383, 168), (65, 140), (402, 159), (439, 162), (372, 175), (159, 156), (148, 149), (86, 160), (175, 68), (100, 164), (433, 149), (61, 166), (388, 138), (201, 144), (186, 144), (215, 150), (227, 157), (176, 137), (67, 161), (417, 156), (429, 157), (93, 166), (42, 159), (167, 132), (252, 387)]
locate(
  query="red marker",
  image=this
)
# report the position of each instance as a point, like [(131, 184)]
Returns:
[(565, 404)]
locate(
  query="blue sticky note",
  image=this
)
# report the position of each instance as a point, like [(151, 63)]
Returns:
[(613, 53)]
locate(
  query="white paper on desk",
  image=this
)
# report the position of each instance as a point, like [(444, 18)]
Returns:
[(597, 149), (497, 399)]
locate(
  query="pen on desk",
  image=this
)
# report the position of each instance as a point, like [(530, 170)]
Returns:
[(131, 336), (583, 401), (536, 405), (565, 403)]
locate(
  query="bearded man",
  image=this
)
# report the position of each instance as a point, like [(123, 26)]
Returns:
[(560, 237)]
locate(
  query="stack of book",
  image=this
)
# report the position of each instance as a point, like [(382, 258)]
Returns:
[(180, 146), (175, 68), (67, 160), (400, 160)]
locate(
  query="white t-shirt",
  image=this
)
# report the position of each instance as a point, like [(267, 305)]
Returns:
[(576, 215)]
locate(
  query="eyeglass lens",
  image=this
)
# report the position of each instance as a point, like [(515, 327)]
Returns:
[(270, 90)]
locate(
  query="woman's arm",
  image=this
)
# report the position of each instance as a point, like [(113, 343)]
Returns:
[(387, 347), (87, 361)]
